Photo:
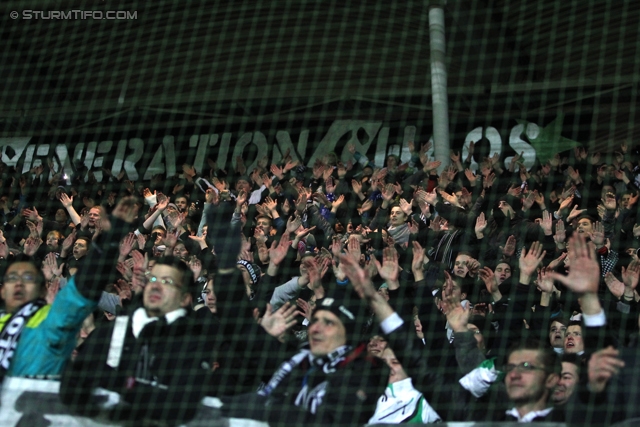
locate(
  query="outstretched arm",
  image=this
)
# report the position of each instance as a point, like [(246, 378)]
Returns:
[(67, 203), (98, 268)]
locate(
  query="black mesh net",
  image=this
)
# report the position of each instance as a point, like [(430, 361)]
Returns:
[(299, 212)]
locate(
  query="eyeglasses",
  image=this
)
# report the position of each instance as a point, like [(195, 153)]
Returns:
[(25, 278), (164, 282), (522, 367)]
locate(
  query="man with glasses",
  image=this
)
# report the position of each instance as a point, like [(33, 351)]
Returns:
[(532, 372), (150, 365), (36, 339)]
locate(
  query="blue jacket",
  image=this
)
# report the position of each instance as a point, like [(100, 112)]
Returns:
[(48, 339)]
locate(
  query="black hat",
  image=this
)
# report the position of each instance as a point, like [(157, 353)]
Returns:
[(346, 314)]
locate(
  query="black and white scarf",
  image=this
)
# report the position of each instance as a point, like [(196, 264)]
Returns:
[(310, 399), (10, 334)]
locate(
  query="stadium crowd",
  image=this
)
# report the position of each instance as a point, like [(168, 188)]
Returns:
[(345, 293)]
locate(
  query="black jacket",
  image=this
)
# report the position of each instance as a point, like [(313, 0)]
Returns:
[(161, 374)]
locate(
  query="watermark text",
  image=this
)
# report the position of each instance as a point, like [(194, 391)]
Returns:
[(28, 14)]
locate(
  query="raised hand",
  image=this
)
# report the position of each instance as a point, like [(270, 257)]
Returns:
[(125, 270), (336, 203), (126, 246), (465, 197), (189, 170), (267, 181), (528, 201), (547, 223), (575, 212), (388, 192), (473, 265), (514, 190), (307, 311), (431, 165), (573, 174), (431, 198), (318, 170), (66, 200), (603, 365), (196, 267), (356, 186), (277, 171), (124, 290), (584, 274), (126, 210), (314, 272), (451, 198), (413, 227), (278, 251), (259, 235), (270, 204), (336, 247), (358, 277), (293, 223), (140, 263), (597, 235), (240, 166), (556, 262), (436, 224), (530, 260), (630, 275), (489, 180), (67, 243), (31, 214), (170, 240), (510, 247), (327, 173), (470, 176), (220, 186), (418, 259), (490, 282), (545, 282), (278, 322), (561, 234), (457, 315), (406, 207), (50, 266), (615, 286), (481, 224), (301, 234), (389, 269), (290, 164), (454, 156), (353, 247)]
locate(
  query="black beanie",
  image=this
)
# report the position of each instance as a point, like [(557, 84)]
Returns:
[(347, 315)]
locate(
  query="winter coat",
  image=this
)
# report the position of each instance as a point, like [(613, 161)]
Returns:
[(47, 340), (160, 375)]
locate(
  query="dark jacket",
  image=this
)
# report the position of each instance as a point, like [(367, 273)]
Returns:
[(161, 374)]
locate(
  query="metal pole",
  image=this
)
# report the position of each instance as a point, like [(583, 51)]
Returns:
[(439, 99)]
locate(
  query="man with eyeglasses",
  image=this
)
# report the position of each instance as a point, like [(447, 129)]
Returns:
[(156, 355), (531, 373), (36, 339)]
